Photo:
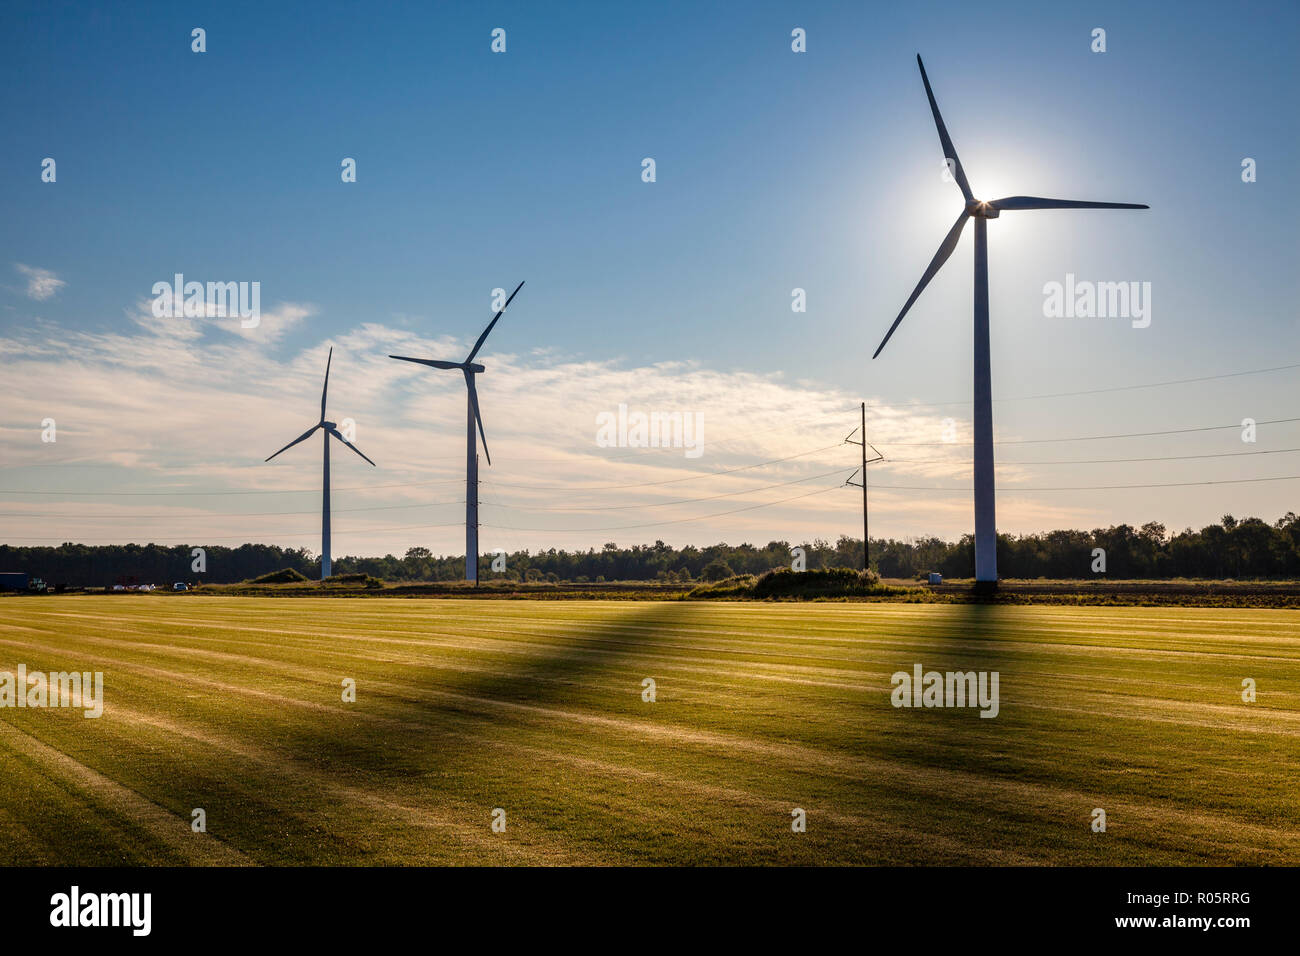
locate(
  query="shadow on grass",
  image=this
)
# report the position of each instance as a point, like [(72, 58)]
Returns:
[(438, 731), (965, 639)]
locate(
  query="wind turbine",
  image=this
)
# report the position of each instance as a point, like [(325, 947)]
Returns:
[(986, 553), (329, 429), (470, 369)]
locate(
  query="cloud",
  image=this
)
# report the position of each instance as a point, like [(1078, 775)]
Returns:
[(163, 427), (41, 283), (271, 324)]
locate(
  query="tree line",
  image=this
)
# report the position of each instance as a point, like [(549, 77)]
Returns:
[(1232, 548)]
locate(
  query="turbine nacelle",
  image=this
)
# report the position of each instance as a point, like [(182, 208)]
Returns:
[(982, 209)]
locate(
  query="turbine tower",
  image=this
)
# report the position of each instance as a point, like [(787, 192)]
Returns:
[(329, 429), (986, 545), (470, 369)]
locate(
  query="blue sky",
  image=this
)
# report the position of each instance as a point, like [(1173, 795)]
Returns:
[(775, 170)]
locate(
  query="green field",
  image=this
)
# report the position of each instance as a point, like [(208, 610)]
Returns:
[(234, 705)]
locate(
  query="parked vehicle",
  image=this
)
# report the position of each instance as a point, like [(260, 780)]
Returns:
[(180, 586)]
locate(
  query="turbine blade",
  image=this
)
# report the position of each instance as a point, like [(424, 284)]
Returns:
[(482, 338), (940, 257), (949, 151), (1035, 202), (303, 437), (478, 417), (335, 433), (325, 389), (434, 363)]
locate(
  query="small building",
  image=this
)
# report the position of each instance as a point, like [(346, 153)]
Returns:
[(936, 577)]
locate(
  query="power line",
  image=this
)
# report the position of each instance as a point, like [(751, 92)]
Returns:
[(656, 524), (1102, 461), (255, 491), (412, 484), (1041, 441), (680, 501), (278, 534), (1175, 484), (220, 514), (670, 481), (1090, 391), (457, 524), (696, 477)]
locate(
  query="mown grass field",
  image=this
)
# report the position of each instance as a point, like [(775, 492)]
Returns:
[(234, 705)]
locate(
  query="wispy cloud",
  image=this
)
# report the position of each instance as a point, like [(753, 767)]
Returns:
[(272, 324), (171, 408), (41, 283)]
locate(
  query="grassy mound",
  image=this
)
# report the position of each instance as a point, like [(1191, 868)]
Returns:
[(785, 584), (283, 576), (346, 580), (738, 585), (819, 583)]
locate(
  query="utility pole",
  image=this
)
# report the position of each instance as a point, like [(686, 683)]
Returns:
[(866, 540)]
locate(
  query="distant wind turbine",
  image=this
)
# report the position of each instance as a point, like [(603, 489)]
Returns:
[(470, 369), (329, 429), (986, 553)]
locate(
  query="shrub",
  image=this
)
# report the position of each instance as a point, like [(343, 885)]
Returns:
[(717, 570), (782, 582), (738, 585), (368, 580)]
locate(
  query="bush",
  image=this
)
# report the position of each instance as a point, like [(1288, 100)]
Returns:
[(783, 582), (717, 570), (368, 580), (738, 585)]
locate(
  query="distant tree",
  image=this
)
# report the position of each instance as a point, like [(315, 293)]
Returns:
[(717, 570), (1246, 547)]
